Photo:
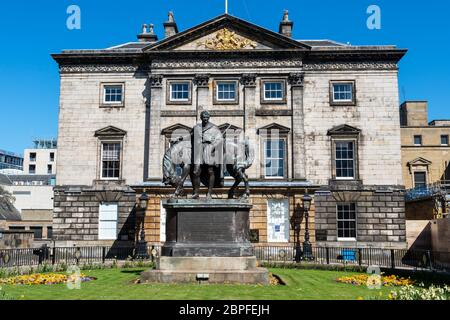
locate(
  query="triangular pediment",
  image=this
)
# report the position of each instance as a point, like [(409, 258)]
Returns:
[(274, 127), (227, 33), (229, 128), (344, 129), (110, 131), (176, 127), (419, 162)]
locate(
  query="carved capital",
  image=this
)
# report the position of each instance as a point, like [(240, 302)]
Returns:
[(156, 80), (201, 80), (296, 79), (248, 80)]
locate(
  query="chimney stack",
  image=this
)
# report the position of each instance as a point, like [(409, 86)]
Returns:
[(170, 26), (286, 25), (148, 35)]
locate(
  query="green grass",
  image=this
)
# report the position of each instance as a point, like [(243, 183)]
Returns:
[(118, 284)]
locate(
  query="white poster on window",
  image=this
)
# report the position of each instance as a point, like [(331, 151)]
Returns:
[(278, 220), (107, 224), (162, 223)]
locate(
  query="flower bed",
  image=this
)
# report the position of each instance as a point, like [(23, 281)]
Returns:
[(421, 293), (366, 279), (46, 279)]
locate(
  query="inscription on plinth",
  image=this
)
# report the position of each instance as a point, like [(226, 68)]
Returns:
[(207, 228)]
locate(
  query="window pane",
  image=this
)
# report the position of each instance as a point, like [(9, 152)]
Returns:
[(226, 91), (346, 220), (273, 90), (113, 94), (444, 140), (275, 158), (420, 180), (345, 161), (343, 92), (37, 232), (418, 140), (111, 160), (180, 91)]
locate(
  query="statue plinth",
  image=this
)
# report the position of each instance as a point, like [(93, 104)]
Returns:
[(207, 237), (213, 228)]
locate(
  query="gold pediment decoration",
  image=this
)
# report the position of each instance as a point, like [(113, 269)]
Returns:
[(225, 39)]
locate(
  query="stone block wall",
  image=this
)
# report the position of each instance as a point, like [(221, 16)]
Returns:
[(76, 215), (258, 214), (380, 217), (375, 114)]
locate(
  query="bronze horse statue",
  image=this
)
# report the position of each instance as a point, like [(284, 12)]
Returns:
[(238, 156)]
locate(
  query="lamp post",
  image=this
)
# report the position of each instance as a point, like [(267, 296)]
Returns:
[(307, 248), (141, 247), (296, 221)]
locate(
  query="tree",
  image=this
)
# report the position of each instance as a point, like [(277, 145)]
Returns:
[(6, 196)]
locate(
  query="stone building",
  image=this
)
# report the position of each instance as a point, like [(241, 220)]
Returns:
[(425, 161), (321, 115), (425, 146), (41, 159)]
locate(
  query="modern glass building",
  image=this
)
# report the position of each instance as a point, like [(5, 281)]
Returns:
[(10, 160)]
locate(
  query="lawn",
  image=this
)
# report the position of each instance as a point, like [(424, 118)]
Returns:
[(118, 284)]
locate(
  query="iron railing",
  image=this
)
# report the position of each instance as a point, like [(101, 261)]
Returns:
[(69, 255), (428, 191), (364, 257)]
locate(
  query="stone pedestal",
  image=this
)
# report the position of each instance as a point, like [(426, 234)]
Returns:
[(207, 241)]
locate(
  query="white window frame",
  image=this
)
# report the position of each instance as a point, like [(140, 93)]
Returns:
[(172, 83), (337, 223), (265, 158), (101, 221), (337, 83), (336, 141), (102, 143), (226, 82), (282, 90), (113, 103)]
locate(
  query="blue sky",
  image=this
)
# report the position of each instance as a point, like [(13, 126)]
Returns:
[(32, 30)]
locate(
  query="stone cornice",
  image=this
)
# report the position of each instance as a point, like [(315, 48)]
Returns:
[(367, 65), (226, 63), (230, 63), (98, 68)]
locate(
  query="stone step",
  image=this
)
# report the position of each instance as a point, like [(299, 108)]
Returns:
[(199, 264), (256, 276)]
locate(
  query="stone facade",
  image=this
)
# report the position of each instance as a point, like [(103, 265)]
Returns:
[(431, 156), (380, 218), (76, 214), (305, 117)]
